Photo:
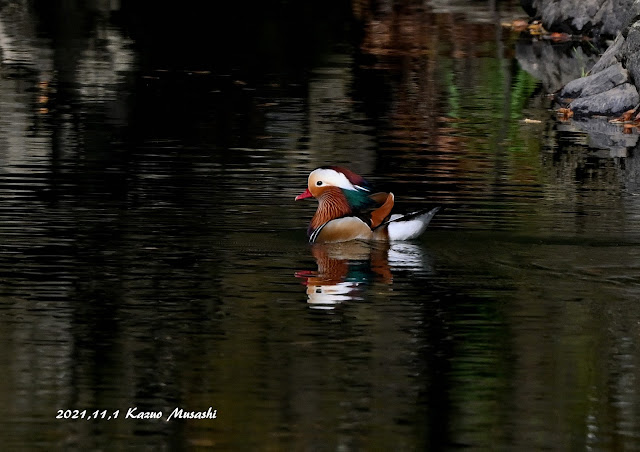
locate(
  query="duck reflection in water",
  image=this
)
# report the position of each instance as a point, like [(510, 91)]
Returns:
[(345, 269)]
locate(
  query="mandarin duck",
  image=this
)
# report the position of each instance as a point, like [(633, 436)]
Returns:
[(347, 210)]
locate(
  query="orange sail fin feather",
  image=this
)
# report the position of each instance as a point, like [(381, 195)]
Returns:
[(348, 211), (379, 215)]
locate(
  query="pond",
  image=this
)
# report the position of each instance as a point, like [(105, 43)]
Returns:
[(152, 256)]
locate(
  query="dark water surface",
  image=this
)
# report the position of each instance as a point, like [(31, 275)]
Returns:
[(152, 256)]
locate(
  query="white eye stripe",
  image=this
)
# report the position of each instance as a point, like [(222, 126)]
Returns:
[(332, 177)]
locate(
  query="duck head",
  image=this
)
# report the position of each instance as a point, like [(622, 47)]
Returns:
[(325, 178)]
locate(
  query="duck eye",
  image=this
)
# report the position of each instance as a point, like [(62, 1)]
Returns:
[(319, 183)]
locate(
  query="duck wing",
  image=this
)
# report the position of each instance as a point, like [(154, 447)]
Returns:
[(341, 230), (369, 213)]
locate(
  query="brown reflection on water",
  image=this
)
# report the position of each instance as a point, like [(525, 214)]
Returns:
[(344, 269), (438, 143)]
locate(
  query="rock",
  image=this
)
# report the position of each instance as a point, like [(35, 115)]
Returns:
[(608, 103), (596, 83), (612, 86), (629, 52), (608, 58), (608, 92), (586, 17)]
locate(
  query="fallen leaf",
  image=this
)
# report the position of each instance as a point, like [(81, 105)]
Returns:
[(559, 37), (564, 114), (627, 115), (536, 28), (519, 25)]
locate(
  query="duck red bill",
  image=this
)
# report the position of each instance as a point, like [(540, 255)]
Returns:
[(306, 194)]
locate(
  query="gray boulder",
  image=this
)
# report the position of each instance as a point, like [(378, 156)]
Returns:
[(611, 102), (629, 53), (612, 86), (596, 83), (586, 17)]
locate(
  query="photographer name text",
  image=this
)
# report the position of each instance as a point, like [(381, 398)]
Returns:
[(134, 413)]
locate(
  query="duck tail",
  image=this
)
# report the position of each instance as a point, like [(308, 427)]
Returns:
[(411, 225)]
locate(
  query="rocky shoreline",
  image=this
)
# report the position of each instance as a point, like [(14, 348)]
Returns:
[(612, 85)]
